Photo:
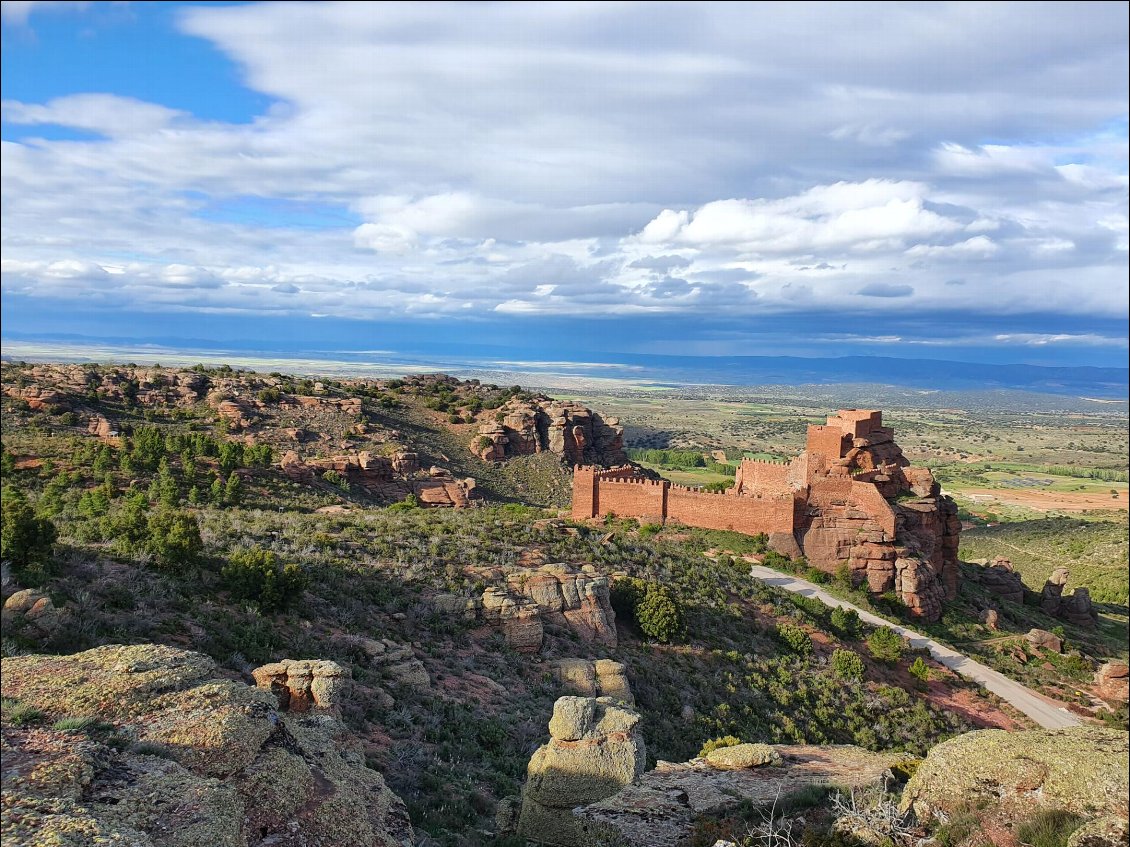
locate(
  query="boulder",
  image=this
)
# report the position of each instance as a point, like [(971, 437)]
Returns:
[(1082, 769), (1044, 640), (1112, 682), (302, 685), (570, 598), (35, 611), (666, 806), (196, 760), (998, 578), (517, 617), (600, 678), (1108, 831), (594, 750), (991, 619), (540, 425), (743, 756)]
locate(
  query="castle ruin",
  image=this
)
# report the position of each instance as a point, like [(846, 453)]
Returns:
[(850, 499)]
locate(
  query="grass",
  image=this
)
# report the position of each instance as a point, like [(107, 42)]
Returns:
[(1048, 828)]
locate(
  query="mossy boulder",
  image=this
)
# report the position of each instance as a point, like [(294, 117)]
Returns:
[(1082, 770), (179, 758)]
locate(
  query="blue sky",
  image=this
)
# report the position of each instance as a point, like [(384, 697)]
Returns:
[(944, 181)]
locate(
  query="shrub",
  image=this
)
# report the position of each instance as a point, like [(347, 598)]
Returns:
[(718, 743), (919, 670), (626, 594), (409, 502), (845, 622), (256, 574), (660, 615), (847, 665), (649, 529), (795, 637), (17, 713), (885, 644), (25, 539), (174, 538), (1048, 828)]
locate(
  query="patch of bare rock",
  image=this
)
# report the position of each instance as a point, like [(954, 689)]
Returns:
[(196, 759), (540, 425)]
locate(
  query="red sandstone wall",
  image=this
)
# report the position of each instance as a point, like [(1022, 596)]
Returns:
[(857, 422), (584, 493), (643, 500), (750, 515), (766, 478), (827, 440), (868, 496)]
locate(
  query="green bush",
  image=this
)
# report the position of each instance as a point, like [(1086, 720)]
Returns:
[(256, 574), (174, 538), (660, 615), (919, 670), (847, 665), (409, 502), (718, 743), (845, 622), (795, 637), (885, 644), (626, 594), (25, 539)]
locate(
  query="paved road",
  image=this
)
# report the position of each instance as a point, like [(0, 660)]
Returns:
[(1046, 712)]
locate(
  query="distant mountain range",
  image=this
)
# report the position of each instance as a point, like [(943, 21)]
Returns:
[(1099, 383)]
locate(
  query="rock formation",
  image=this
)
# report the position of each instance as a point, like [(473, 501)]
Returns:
[(35, 611), (1082, 770), (386, 478), (303, 685), (662, 807), (1075, 608), (195, 760), (1112, 682), (540, 425), (599, 678), (594, 750), (526, 602), (1041, 639), (997, 577)]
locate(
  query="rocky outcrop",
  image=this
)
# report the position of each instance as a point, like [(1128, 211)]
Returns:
[(191, 759), (385, 478), (303, 685), (1075, 608), (34, 611), (662, 808), (594, 750), (396, 661), (1082, 770), (570, 598), (599, 678), (553, 597), (1112, 682), (1041, 639), (741, 756), (575, 433), (517, 617), (997, 577)]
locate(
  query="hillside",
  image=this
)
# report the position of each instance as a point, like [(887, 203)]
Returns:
[(454, 625)]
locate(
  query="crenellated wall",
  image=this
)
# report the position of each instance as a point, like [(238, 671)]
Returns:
[(831, 504)]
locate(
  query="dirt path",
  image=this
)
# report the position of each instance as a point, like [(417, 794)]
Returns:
[(1043, 710)]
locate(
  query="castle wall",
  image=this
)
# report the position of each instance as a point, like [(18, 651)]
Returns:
[(857, 423), (644, 499), (767, 479), (872, 501), (750, 515), (584, 493), (826, 440)]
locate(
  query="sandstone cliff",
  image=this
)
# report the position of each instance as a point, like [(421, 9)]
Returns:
[(540, 425), (172, 754)]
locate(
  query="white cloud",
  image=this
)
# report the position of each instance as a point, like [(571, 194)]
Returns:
[(569, 158)]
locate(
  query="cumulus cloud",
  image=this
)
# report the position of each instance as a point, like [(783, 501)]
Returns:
[(600, 158)]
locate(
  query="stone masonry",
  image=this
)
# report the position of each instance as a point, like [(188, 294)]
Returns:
[(850, 500)]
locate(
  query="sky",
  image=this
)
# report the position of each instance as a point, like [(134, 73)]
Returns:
[(942, 180)]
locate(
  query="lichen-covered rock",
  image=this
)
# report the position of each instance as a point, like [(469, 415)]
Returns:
[(197, 761), (594, 750), (743, 756), (570, 598), (599, 678), (1109, 831), (517, 617), (1082, 769), (662, 807), (35, 611)]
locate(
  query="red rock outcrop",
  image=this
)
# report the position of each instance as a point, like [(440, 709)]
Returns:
[(1112, 682), (1075, 608), (997, 577), (571, 599), (574, 432), (303, 685)]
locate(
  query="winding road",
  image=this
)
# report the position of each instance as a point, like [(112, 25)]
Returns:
[(1048, 713)]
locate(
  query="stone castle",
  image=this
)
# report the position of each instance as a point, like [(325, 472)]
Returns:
[(850, 499)]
